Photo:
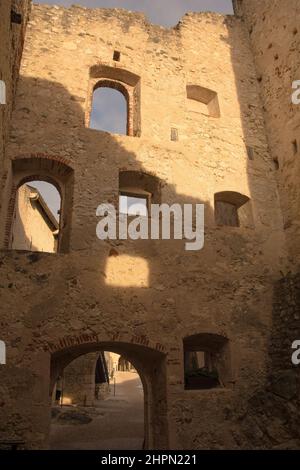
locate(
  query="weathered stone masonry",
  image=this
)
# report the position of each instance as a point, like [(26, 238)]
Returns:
[(14, 16), (55, 307)]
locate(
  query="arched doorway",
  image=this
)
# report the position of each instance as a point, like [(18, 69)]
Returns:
[(97, 405), (148, 367)]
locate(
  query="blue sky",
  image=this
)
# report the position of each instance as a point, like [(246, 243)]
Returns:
[(164, 12), (109, 110)]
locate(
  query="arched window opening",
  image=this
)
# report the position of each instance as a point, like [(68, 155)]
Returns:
[(103, 391), (109, 111), (109, 114), (40, 203), (233, 209), (35, 224), (203, 100), (206, 361)]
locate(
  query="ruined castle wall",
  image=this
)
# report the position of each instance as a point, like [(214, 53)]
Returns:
[(226, 289), (11, 40), (273, 30), (275, 40)]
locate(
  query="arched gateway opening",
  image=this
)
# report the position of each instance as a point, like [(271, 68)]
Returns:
[(147, 378)]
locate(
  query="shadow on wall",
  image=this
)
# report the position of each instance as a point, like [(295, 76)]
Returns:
[(100, 149), (96, 158), (70, 121), (269, 417)]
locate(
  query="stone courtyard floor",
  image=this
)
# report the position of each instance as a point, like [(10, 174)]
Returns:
[(114, 423)]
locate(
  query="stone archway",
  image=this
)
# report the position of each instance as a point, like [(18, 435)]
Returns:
[(150, 365)]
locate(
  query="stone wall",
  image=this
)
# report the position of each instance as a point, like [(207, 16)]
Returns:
[(11, 40), (270, 418), (79, 380), (274, 31), (68, 306)]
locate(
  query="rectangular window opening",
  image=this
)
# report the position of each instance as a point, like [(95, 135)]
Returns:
[(174, 134), (15, 17), (226, 214), (117, 56), (200, 370)]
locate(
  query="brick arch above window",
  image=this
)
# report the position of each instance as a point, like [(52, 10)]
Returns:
[(124, 81), (115, 85), (114, 73), (60, 168)]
